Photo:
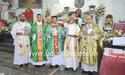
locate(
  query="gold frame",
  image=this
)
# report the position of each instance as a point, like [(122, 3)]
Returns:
[(30, 4)]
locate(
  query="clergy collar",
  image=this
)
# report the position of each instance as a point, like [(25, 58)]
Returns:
[(22, 22), (39, 22), (89, 25), (71, 22)]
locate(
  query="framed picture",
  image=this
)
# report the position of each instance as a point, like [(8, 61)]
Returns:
[(5, 1), (30, 3), (34, 1)]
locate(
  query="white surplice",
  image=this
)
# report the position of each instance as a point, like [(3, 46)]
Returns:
[(21, 54), (71, 61)]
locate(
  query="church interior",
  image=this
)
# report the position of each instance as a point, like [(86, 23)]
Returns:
[(106, 44)]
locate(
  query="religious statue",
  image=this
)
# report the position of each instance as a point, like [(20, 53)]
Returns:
[(11, 3), (48, 13), (109, 20), (79, 3)]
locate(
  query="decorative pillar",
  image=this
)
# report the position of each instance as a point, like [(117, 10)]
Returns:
[(1, 8)]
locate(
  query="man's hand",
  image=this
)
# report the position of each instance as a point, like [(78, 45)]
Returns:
[(19, 33), (91, 33), (67, 47)]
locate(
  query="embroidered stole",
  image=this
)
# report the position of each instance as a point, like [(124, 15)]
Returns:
[(24, 48), (39, 41), (68, 40), (55, 33)]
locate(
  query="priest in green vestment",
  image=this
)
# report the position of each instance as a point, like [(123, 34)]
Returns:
[(54, 44), (38, 42), (89, 34)]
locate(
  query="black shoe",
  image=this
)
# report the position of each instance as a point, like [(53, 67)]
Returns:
[(36, 66), (25, 65), (56, 66), (42, 65), (66, 68), (84, 71), (21, 65), (90, 73), (51, 66)]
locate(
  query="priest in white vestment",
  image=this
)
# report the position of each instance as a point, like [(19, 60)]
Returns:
[(71, 48), (20, 33)]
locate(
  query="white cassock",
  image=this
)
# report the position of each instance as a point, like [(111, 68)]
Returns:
[(71, 61), (22, 50)]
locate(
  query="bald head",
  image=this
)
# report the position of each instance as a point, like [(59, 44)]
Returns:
[(89, 19)]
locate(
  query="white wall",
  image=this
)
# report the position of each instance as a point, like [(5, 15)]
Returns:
[(17, 10), (114, 7), (58, 5)]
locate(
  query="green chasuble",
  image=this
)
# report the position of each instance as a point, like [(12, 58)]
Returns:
[(35, 44), (32, 24), (50, 41), (88, 44)]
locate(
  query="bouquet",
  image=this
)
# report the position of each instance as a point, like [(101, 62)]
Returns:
[(4, 29), (100, 10)]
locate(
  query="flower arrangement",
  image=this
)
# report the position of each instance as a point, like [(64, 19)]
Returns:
[(100, 10), (5, 29), (118, 33)]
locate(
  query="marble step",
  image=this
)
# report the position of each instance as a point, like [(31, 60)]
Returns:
[(6, 44), (6, 38), (9, 40), (6, 49)]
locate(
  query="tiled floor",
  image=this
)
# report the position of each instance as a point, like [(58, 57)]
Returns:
[(7, 68)]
